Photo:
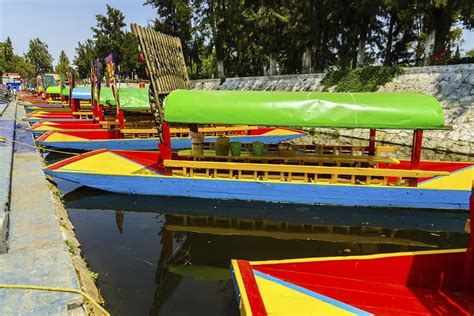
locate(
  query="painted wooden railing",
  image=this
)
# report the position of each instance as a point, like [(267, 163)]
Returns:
[(296, 173), (184, 132)]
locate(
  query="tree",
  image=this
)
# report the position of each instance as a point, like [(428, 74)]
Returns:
[(22, 67), (470, 53), (63, 65), (175, 18), (130, 64), (9, 62), (109, 34), (39, 56), (85, 54), (8, 50)]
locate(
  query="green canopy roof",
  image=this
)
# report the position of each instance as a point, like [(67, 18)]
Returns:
[(131, 99), (305, 109), (53, 90), (65, 91), (105, 95)]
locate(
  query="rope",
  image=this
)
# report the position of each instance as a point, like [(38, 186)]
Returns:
[(55, 289), (3, 138)]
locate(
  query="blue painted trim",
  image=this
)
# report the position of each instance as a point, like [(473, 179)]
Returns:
[(318, 296), (152, 143), (278, 192), (236, 285)]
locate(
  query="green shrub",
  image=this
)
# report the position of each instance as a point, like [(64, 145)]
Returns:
[(367, 79)]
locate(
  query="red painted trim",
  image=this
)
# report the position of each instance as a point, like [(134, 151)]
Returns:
[(469, 267), (121, 118), (251, 288), (65, 162), (416, 153)]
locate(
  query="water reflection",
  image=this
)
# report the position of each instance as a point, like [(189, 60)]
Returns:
[(170, 256)]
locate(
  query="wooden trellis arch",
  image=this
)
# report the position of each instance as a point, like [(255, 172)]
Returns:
[(165, 65)]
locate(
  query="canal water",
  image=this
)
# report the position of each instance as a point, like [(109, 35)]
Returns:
[(171, 256)]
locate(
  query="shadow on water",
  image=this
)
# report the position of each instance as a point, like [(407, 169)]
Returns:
[(170, 256)]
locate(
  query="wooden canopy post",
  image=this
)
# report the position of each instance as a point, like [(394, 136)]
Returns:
[(372, 142), (73, 103), (416, 153)]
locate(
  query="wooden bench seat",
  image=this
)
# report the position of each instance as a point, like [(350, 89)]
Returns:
[(306, 158)]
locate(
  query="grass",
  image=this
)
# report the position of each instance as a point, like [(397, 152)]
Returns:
[(71, 247), (367, 79)]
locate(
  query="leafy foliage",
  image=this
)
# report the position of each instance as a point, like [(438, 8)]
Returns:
[(85, 54), (63, 66), (367, 79), (255, 37), (110, 36), (9, 62), (39, 56)]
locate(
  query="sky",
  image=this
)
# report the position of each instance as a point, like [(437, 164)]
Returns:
[(63, 23)]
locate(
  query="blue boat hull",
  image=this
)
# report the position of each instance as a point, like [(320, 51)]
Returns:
[(278, 192), (152, 143)]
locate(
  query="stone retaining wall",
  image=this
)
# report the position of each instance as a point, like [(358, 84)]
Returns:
[(452, 85)]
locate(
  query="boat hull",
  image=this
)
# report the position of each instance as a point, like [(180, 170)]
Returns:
[(277, 192), (418, 283), (152, 143)]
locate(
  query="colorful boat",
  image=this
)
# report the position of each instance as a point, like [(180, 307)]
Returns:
[(88, 140), (134, 106), (78, 95), (286, 176), (439, 282)]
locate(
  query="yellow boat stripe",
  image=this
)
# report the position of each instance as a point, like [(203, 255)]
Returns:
[(457, 180), (362, 257), (282, 300), (107, 163), (46, 128), (244, 300), (280, 131), (60, 137)]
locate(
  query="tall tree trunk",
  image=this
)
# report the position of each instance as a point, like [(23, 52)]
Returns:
[(272, 69), (362, 42), (443, 22), (388, 50), (429, 47), (306, 61), (220, 69)]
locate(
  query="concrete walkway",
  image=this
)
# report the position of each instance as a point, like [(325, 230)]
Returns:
[(36, 253)]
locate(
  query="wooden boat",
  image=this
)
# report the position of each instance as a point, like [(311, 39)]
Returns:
[(88, 140), (80, 98), (284, 176), (438, 282), (137, 133)]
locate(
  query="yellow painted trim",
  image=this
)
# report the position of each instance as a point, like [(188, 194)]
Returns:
[(304, 169), (113, 164), (282, 300), (280, 131), (46, 128), (364, 257), (458, 180), (60, 137), (244, 304)]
